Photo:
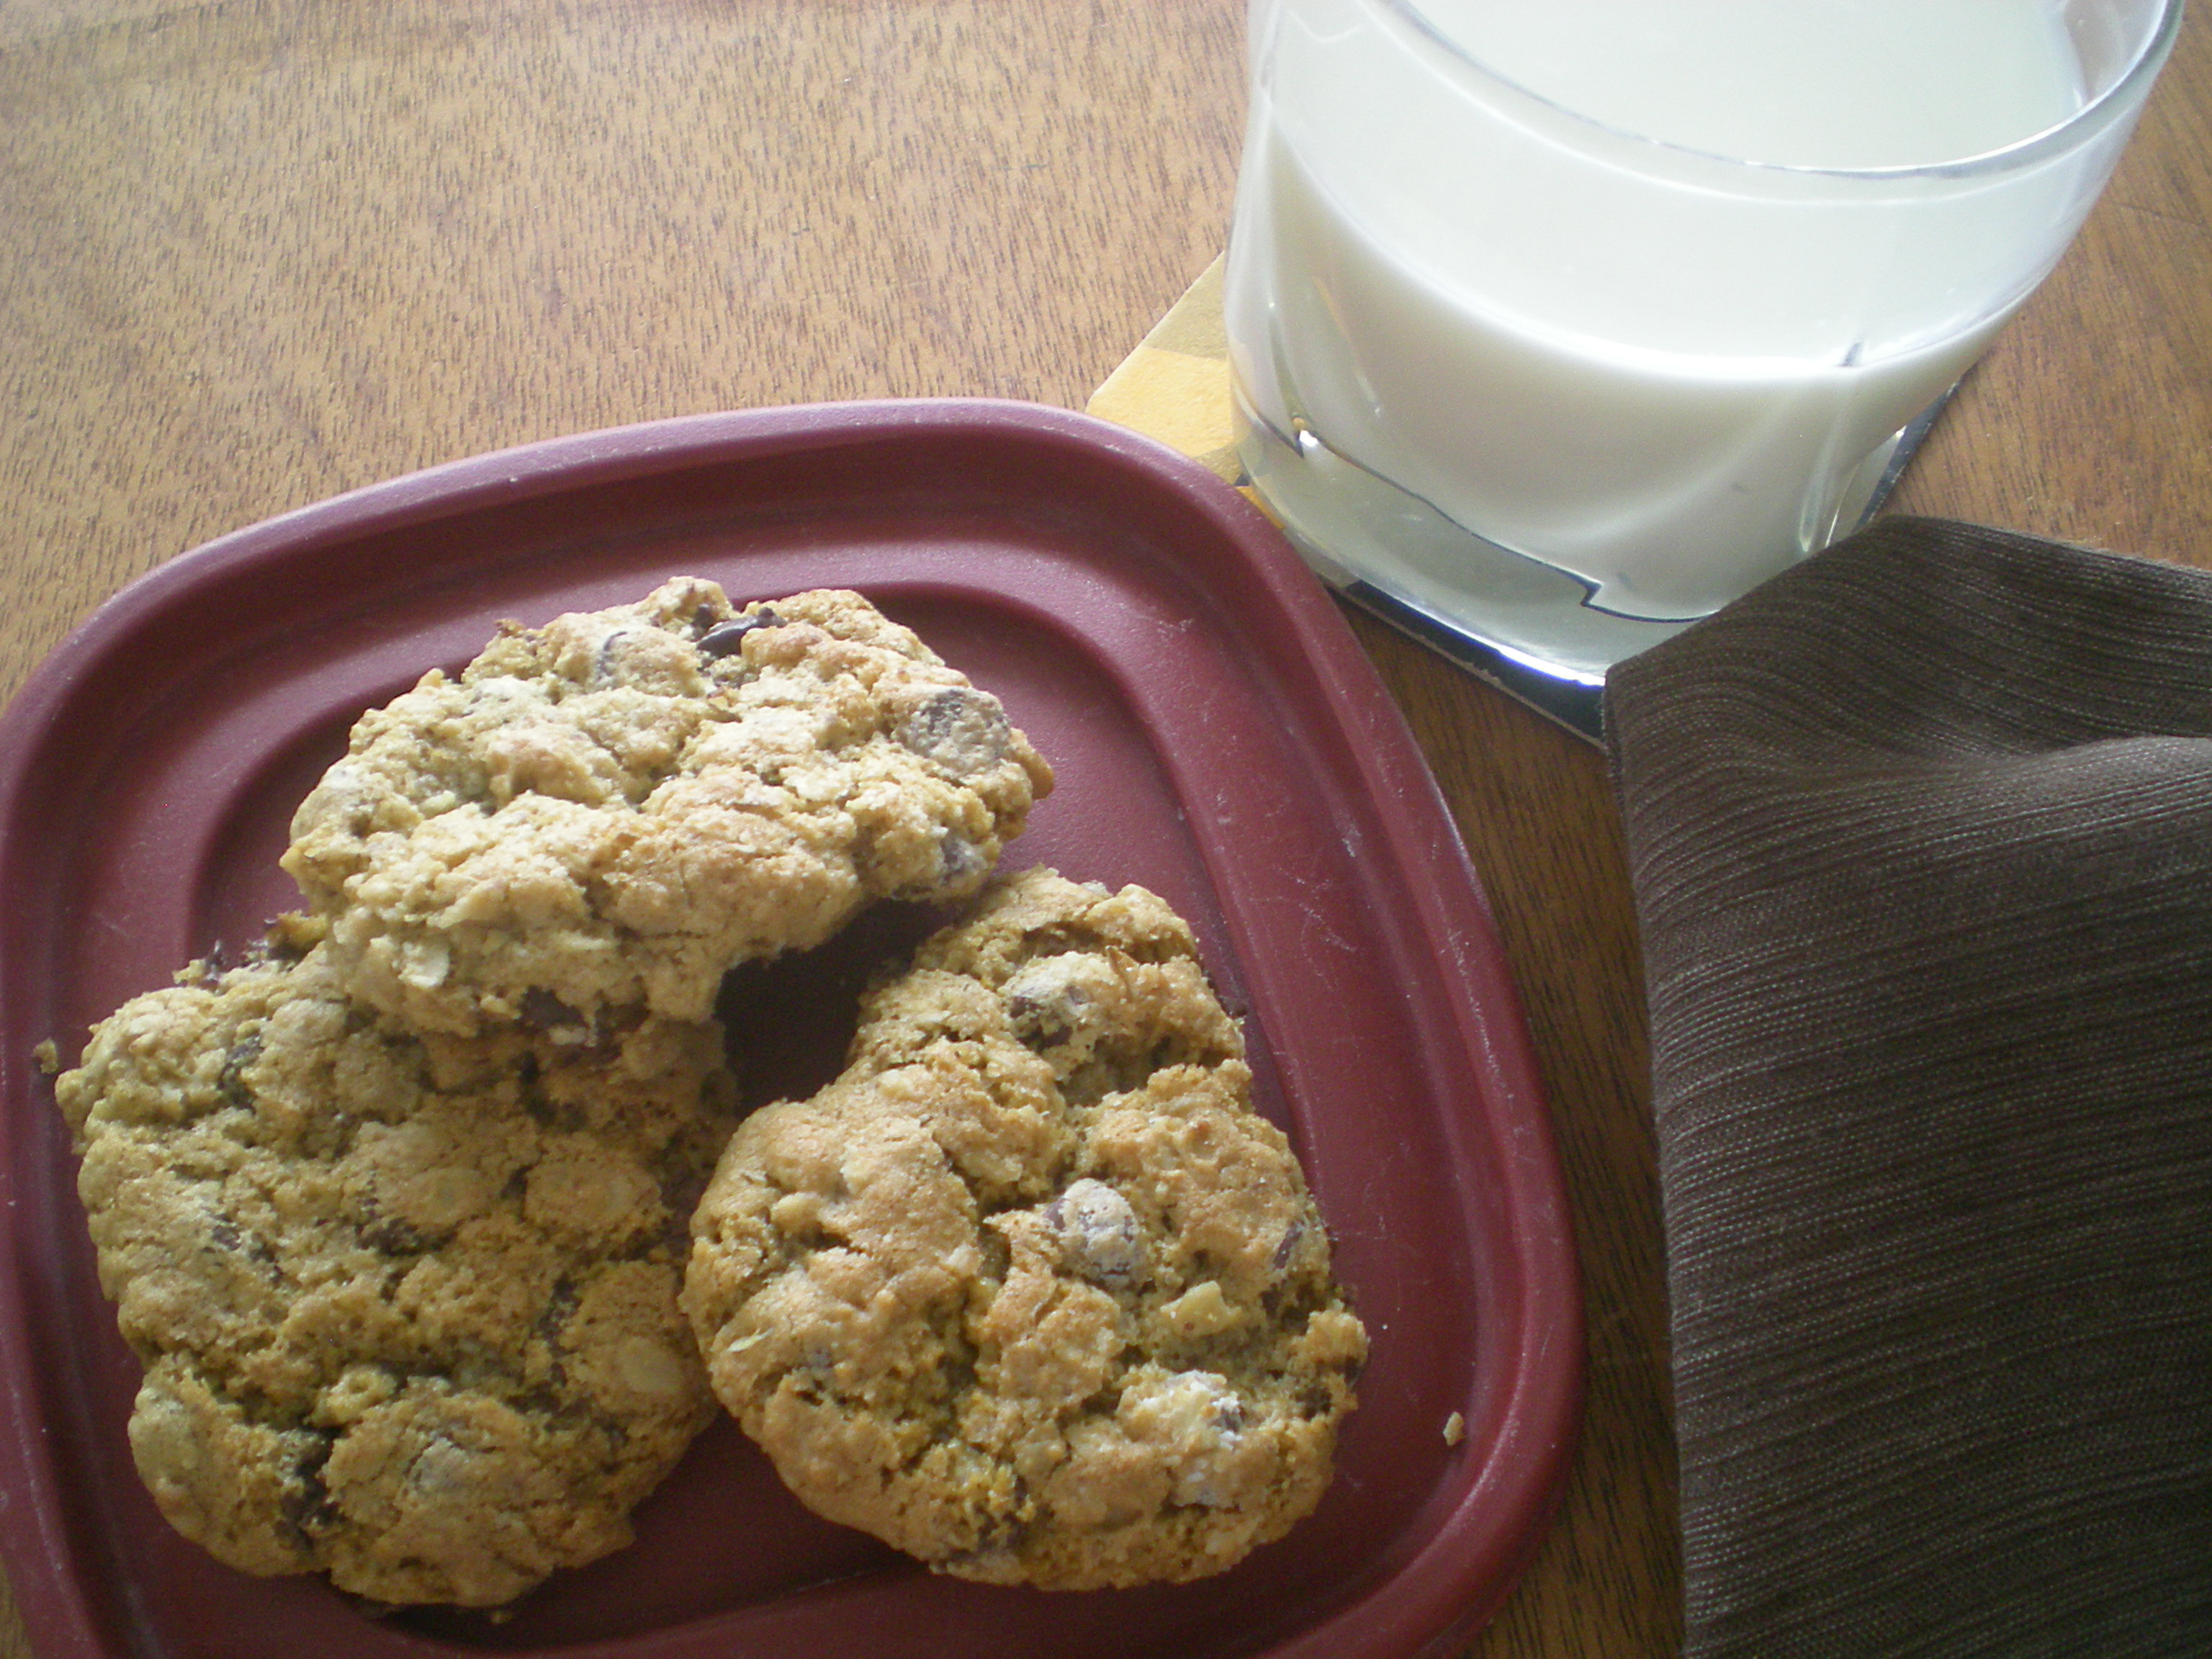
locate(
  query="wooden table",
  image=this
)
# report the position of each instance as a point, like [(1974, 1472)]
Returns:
[(257, 252)]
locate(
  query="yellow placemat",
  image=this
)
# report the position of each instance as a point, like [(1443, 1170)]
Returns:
[(1174, 385)]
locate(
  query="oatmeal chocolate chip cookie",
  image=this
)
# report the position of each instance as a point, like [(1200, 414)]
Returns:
[(407, 1308), (613, 810), (1031, 1291)]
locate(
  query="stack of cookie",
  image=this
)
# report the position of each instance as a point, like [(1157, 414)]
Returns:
[(397, 1215)]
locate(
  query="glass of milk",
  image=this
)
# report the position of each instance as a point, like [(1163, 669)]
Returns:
[(1559, 324)]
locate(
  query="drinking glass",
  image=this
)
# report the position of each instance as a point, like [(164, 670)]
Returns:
[(1559, 324)]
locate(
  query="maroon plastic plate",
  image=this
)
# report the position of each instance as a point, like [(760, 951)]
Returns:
[(1219, 738)]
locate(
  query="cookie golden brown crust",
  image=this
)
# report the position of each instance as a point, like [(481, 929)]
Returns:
[(1030, 1291), (407, 1308), (614, 809)]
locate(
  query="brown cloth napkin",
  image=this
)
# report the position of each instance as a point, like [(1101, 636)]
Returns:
[(1922, 840)]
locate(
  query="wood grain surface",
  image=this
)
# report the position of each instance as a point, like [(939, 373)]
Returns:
[(257, 252)]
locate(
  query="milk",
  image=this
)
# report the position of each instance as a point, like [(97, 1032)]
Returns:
[(1656, 368), (1825, 84)]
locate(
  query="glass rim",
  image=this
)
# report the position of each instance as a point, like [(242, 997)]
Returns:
[(2035, 147)]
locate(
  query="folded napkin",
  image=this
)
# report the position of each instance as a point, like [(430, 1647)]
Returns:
[(1922, 840)]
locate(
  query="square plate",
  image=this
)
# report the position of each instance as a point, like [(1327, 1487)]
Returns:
[(1219, 738)]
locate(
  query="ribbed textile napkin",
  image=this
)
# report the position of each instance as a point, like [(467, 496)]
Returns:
[(1921, 841)]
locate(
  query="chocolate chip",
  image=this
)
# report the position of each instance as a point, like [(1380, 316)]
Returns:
[(1009, 1532), (393, 1237), (1099, 1237), (553, 1323), (231, 1081), (308, 1507), (1045, 1004), (554, 1316), (289, 937), (958, 858), (963, 730), (936, 719), (1288, 1247), (542, 1010), (726, 639), (602, 665), (1041, 1024)]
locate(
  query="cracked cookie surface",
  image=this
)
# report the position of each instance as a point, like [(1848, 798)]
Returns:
[(407, 1308), (1031, 1291), (613, 810)]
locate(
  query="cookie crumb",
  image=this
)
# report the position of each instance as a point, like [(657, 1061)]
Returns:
[(1455, 1429), (48, 1057)]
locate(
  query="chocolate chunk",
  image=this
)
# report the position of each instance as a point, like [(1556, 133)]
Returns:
[(543, 1011), (1099, 1238), (957, 857), (393, 1237), (726, 639), (605, 664), (289, 937), (936, 718), (553, 1318), (231, 1081), (1283, 1251), (961, 730), (308, 1506), (1048, 1004), (1040, 1023)]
